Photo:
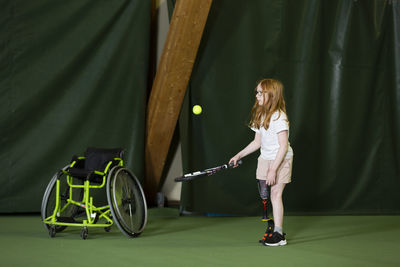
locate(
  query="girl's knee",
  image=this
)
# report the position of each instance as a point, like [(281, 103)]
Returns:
[(276, 192), (276, 196)]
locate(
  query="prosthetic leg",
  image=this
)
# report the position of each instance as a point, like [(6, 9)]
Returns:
[(264, 191)]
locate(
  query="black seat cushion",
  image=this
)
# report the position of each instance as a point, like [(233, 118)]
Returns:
[(79, 173), (84, 174)]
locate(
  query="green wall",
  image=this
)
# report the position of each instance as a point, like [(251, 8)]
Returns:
[(74, 74)]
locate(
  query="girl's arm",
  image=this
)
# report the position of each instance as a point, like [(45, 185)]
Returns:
[(250, 148), (283, 147)]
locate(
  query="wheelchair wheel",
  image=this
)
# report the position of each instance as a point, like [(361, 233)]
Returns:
[(49, 200), (127, 202)]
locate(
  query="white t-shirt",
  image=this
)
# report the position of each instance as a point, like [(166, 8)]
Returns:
[(269, 138)]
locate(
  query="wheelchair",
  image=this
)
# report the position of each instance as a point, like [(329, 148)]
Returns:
[(67, 200)]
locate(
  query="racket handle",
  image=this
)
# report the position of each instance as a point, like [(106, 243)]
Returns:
[(239, 162)]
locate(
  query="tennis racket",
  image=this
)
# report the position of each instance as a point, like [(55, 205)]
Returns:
[(207, 172)]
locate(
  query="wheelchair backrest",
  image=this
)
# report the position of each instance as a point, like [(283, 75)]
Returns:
[(97, 158)]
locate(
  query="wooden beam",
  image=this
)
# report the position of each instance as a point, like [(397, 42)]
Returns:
[(169, 87)]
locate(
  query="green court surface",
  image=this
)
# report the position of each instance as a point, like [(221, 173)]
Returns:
[(173, 240)]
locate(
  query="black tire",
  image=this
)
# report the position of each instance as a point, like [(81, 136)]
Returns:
[(127, 201), (49, 199)]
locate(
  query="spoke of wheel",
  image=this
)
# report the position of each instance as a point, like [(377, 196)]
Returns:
[(130, 212)]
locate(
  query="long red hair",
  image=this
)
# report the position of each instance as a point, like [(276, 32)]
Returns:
[(261, 114)]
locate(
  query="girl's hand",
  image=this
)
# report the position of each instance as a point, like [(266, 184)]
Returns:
[(234, 160), (271, 177)]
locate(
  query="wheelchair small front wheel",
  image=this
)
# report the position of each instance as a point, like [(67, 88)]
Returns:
[(84, 233), (52, 231)]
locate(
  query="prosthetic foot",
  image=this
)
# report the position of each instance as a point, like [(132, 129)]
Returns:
[(270, 222)]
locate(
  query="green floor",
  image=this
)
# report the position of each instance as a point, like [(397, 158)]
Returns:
[(170, 240)]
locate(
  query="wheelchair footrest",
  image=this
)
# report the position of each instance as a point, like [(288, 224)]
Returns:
[(66, 219)]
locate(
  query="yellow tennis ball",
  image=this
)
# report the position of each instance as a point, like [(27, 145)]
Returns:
[(197, 110)]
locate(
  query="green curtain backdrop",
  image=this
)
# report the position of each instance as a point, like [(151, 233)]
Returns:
[(73, 74), (340, 64)]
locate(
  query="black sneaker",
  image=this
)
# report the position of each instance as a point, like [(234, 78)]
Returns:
[(275, 239), (262, 240)]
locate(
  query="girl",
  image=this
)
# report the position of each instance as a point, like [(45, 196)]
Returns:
[(271, 126)]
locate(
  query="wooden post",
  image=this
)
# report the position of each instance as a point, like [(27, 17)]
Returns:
[(169, 87)]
